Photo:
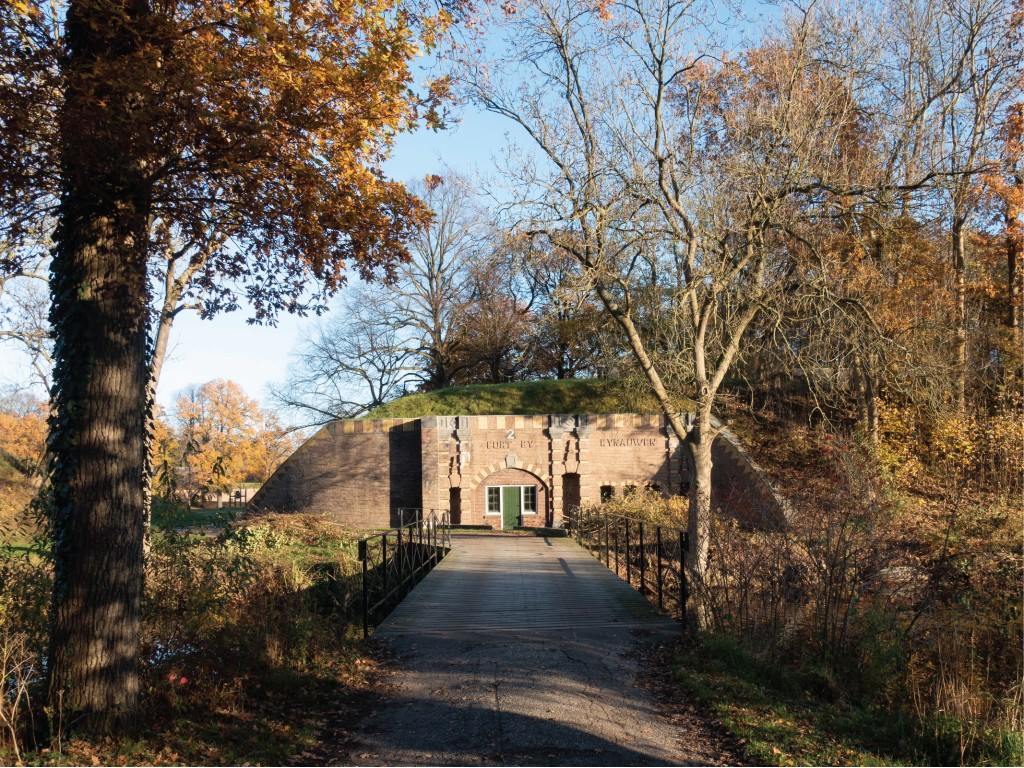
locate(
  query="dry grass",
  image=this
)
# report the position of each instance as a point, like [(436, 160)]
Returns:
[(908, 573), (250, 654)]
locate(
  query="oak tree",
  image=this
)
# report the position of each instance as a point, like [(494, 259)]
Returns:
[(239, 142), (222, 438)]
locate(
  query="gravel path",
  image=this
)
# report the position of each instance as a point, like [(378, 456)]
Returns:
[(524, 651)]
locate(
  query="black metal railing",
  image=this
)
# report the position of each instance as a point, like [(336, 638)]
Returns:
[(395, 561), (407, 515), (647, 556)]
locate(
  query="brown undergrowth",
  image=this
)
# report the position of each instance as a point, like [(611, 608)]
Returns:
[(882, 623), (250, 655), (898, 579)]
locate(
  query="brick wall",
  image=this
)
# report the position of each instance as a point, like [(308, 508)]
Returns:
[(627, 449), (356, 471), (739, 488)]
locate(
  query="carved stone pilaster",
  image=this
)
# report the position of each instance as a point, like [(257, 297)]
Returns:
[(463, 442)]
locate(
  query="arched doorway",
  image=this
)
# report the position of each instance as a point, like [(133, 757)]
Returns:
[(511, 498)]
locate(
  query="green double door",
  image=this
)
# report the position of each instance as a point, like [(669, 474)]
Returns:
[(511, 506)]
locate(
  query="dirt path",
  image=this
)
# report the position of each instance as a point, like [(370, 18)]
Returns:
[(525, 651)]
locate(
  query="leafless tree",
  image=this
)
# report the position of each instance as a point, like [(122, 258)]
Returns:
[(970, 46), (24, 304), (568, 323), (656, 163), (410, 333), (426, 302), (350, 365)]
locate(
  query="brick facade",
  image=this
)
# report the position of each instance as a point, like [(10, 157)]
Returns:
[(358, 472), (354, 472)]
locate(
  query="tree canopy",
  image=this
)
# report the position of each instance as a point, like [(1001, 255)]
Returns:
[(231, 152)]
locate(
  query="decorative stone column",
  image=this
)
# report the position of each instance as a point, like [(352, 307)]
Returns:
[(430, 436), (463, 448), (446, 449), (560, 427), (590, 484)]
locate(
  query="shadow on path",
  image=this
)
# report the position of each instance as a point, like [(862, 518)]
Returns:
[(523, 651)]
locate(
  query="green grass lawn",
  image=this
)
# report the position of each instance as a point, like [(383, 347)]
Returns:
[(525, 398), (168, 516)]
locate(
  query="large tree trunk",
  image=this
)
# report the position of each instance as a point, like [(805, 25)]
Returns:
[(1013, 248), (99, 317), (698, 441)]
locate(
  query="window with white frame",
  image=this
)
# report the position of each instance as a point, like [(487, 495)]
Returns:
[(529, 499), (527, 496)]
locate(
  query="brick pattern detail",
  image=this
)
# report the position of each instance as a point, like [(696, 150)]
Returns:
[(353, 472)]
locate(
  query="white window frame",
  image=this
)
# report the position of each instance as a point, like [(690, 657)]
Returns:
[(522, 500), (487, 500), (501, 499)]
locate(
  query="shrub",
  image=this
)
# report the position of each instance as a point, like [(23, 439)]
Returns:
[(651, 507), (25, 583), (224, 609), (905, 609)]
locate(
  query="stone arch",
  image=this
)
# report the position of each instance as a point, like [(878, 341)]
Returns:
[(475, 495), (489, 470)]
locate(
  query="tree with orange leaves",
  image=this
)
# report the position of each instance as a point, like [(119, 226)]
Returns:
[(240, 145), (1007, 184), (222, 438)]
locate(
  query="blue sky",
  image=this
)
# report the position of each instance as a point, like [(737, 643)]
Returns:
[(254, 356), (227, 347)]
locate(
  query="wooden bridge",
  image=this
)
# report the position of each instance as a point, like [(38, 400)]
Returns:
[(523, 650)]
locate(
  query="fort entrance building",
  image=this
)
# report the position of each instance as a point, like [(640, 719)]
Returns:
[(503, 471)]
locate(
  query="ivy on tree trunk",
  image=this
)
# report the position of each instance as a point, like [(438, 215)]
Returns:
[(100, 317)]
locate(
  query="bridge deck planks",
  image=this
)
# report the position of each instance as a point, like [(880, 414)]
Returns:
[(524, 651), (492, 582)]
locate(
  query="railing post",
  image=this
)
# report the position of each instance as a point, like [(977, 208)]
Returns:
[(684, 546), (607, 543), (661, 598), (616, 548), (428, 523), (629, 563), (400, 556), (643, 557), (384, 567), (366, 597)]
